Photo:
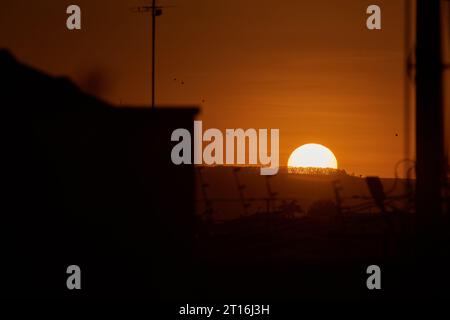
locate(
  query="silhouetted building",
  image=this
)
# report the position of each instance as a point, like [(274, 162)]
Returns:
[(89, 184)]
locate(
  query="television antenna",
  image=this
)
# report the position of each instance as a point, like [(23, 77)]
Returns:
[(156, 12)]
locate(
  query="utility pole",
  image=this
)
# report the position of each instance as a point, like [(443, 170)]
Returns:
[(429, 123)]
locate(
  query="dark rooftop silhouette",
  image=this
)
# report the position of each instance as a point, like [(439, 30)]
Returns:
[(91, 184)]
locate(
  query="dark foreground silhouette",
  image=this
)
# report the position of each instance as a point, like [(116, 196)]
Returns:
[(89, 184)]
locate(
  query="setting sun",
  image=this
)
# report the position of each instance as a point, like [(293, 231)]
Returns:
[(312, 155)]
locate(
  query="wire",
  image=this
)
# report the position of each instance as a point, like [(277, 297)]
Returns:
[(394, 186)]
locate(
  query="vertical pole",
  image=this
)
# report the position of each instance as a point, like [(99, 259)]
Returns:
[(406, 84), (153, 51), (240, 190), (429, 123), (269, 194), (407, 104)]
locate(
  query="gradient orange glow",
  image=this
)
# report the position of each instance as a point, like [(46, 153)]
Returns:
[(310, 68)]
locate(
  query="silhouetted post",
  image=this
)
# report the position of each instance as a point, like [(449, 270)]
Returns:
[(156, 11), (337, 193), (153, 51), (407, 85), (429, 123), (270, 195), (208, 203), (241, 189)]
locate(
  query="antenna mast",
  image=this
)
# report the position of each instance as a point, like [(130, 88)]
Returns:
[(156, 11)]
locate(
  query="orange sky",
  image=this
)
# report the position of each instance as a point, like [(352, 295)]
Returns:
[(309, 68)]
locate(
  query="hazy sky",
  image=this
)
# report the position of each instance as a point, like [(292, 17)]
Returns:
[(309, 68)]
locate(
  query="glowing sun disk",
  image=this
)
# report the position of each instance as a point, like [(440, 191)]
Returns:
[(312, 155)]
